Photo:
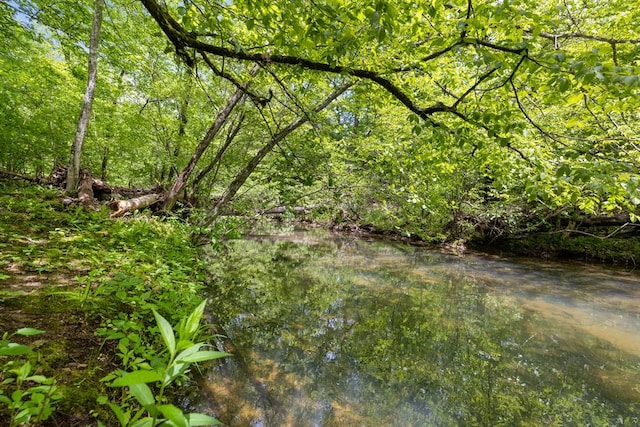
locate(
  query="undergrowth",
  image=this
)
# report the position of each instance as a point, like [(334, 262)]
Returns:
[(92, 284)]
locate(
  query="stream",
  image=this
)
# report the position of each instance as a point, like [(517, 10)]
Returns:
[(338, 331)]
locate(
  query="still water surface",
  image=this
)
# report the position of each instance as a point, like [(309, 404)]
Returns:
[(330, 331)]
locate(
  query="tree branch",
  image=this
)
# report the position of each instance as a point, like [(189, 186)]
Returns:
[(240, 179), (475, 85), (182, 39), (528, 118), (588, 37), (578, 35), (220, 73)]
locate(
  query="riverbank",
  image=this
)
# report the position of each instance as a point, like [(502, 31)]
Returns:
[(585, 247), (616, 251), (89, 284)]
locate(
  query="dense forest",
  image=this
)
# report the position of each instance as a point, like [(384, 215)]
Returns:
[(508, 124), (454, 119)]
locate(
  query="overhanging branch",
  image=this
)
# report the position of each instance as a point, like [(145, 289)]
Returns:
[(183, 40)]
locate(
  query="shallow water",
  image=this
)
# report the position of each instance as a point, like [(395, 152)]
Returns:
[(328, 331)]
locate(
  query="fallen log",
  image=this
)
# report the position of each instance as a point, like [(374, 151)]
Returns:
[(15, 175), (121, 207), (604, 221)]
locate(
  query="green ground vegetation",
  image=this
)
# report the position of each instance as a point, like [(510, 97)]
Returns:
[(92, 287)]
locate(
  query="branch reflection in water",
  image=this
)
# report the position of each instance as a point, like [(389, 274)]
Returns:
[(331, 331)]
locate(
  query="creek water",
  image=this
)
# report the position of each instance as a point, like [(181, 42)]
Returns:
[(334, 331)]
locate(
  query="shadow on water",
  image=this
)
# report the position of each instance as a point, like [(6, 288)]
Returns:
[(328, 331)]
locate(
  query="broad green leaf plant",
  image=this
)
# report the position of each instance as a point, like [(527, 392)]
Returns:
[(28, 396), (146, 406)]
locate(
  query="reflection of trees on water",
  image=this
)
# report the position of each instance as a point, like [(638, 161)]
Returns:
[(362, 334)]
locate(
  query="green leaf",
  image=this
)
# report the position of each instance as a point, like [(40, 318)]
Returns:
[(374, 18), (123, 417), (144, 396), (47, 389), (190, 356), (167, 333), (16, 396), (144, 422), (136, 377), (564, 170), (14, 349), (174, 414), (173, 372), (29, 331), (564, 84), (193, 322), (202, 420), (37, 378), (25, 415), (560, 57), (574, 99), (188, 351), (182, 344)]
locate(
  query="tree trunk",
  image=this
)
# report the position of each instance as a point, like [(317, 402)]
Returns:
[(206, 141), (215, 163), (253, 163), (105, 162), (83, 122), (123, 206)]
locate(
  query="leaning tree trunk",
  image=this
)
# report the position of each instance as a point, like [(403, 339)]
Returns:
[(83, 122), (215, 163), (221, 119), (255, 160)]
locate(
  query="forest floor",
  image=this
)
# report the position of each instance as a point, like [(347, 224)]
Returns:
[(68, 350), (89, 282)]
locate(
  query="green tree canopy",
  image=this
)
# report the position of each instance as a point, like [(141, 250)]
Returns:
[(455, 105)]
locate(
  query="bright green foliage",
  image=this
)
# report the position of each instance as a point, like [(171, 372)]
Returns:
[(141, 407), (28, 396), (493, 112), (506, 98), (134, 130), (36, 95), (110, 274)]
